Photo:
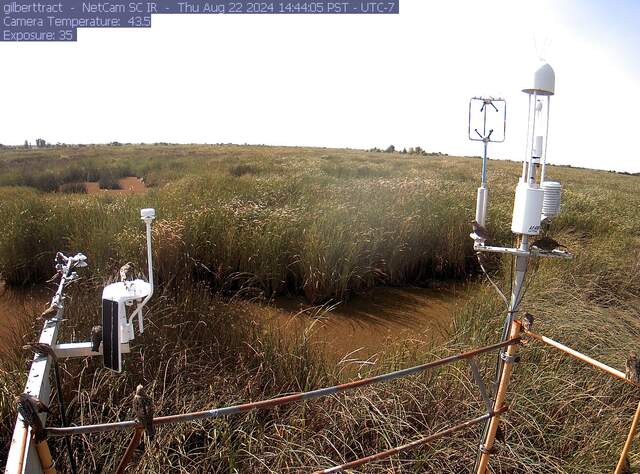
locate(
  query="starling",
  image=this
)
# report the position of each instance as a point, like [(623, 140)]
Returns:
[(34, 402), (41, 349), (54, 277), (527, 321), (124, 271), (626, 466), (96, 338), (143, 409), (480, 231), (632, 367), (546, 244), (50, 311), (29, 407)]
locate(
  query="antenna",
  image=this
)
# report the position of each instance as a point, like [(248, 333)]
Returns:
[(484, 112)]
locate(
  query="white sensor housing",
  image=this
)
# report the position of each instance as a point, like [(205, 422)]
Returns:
[(544, 81), (527, 209), (481, 205), (536, 153), (148, 213)]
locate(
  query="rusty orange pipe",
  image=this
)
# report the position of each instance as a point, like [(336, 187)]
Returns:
[(23, 446), (501, 394), (584, 358), (46, 461), (128, 454), (629, 441)]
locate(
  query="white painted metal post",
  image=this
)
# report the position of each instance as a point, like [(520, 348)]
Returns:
[(23, 457)]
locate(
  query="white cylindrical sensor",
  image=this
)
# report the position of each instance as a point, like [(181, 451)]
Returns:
[(527, 209), (481, 206), (551, 204), (537, 147)]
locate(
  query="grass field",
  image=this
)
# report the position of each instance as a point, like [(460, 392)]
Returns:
[(236, 223)]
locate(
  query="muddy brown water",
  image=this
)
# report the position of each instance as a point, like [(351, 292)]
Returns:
[(18, 308), (129, 185), (367, 326), (359, 330)]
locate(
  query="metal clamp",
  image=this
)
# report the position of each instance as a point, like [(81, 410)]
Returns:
[(509, 359), (484, 450)]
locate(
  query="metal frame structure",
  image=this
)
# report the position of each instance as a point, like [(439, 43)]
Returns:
[(30, 454), (22, 453), (25, 454)]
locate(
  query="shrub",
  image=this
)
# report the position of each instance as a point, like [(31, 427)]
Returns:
[(73, 188), (242, 169), (108, 181)]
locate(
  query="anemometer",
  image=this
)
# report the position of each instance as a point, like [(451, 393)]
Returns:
[(487, 124)]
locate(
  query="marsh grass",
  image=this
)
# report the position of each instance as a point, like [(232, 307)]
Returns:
[(293, 227), (73, 188)]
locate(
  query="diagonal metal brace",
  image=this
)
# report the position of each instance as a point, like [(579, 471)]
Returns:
[(477, 378)]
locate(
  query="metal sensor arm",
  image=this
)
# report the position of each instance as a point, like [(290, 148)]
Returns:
[(147, 215)]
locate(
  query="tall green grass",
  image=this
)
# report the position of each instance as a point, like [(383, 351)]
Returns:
[(292, 229), (296, 225)]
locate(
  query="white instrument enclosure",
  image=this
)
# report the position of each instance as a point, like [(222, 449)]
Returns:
[(116, 328)]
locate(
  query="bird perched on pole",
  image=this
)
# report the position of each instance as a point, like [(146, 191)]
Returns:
[(51, 310), (500, 434), (34, 402), (124, 272), (480, 231), (527, 321), (29, 407), (96, 338), (547, 244), (626, 466), (61, 259), (632, 367), (56, 276), (42, 349), (143, 409)]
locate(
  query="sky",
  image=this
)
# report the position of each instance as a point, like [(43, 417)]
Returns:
[(340, 81)]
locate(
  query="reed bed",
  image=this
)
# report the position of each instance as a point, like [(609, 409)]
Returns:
[(288, 225)]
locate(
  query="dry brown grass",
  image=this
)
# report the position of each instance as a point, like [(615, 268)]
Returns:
[(400, 223)]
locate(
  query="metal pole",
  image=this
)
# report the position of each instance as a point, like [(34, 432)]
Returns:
[(546, 141), (484, 165), (23, 445), (63, 416), (46, 461), (526, 146), (273, 402), (128, 454), (584, 358), (507, 358), (404, 447), (627, 444)]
